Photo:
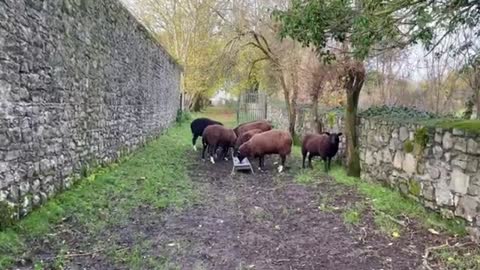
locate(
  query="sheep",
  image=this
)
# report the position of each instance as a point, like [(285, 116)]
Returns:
[(266, 143), (259, 124), (244, 137), (198, 126), (324, 145), (215, 136)]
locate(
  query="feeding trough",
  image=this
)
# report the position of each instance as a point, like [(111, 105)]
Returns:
[(241, 166)]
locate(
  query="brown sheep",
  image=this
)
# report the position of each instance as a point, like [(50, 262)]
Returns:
[(267, 143), (260, 124), (324, 145), (246, 136), (215, 136)]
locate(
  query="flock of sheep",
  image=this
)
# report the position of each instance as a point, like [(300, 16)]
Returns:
[(258, 138)]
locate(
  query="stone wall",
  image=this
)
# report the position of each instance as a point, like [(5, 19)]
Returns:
[(442, 174), (81, 82)]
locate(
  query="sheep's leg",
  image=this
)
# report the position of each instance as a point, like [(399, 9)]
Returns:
[(194, 142), (329, 164), (213, 150), (310, 157), (205, 146), (280, 168), (260, 163), (326, 164), (304, 156)]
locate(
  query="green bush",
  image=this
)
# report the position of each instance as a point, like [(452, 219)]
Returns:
[(183, 116), (397, 112)]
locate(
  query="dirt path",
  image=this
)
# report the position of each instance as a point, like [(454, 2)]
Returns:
[(241, 221), (266, 221)]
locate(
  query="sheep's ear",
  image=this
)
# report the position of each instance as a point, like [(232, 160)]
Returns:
[(328, 133), (340, 134)]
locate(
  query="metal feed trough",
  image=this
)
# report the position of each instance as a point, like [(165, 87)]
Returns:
[(243, 166)]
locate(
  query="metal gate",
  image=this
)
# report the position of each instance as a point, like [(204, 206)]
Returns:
[(251, 106)]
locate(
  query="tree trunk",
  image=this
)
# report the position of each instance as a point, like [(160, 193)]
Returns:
[(355, 77), (316, 118), (292, 117), (353, 159), (476, 88)]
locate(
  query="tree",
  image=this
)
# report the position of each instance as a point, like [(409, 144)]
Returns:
[(255, 42), (189, 30), (346, 31)]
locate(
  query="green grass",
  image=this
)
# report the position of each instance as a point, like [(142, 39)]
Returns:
[(155, 175), (472, 126), (390, 202), (352, 216)]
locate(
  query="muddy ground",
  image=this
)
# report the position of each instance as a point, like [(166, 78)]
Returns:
[(245, 221)]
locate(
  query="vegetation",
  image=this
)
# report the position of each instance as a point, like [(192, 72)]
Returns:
[(108, 195), (388, 204)]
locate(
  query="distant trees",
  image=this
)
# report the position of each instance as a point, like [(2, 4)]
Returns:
[(190, 31)]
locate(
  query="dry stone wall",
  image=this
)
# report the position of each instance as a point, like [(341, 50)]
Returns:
[(81, 82), (437, 167)]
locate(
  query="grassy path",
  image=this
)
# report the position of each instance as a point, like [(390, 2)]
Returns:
[(163, 208)]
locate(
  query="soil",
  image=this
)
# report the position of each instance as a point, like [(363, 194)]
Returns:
[(253, 221)]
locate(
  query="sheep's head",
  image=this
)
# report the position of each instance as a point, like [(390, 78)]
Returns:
[(334, 138), (243, 151)]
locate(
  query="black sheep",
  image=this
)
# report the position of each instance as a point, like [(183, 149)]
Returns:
[(198, 126), (324, 145)]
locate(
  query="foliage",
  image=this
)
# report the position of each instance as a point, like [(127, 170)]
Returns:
[(183, 116), (189, 31), (8, 214), (396, 112)]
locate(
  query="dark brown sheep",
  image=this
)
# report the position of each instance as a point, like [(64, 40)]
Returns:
[(324, 145), (198, 126), (260, 124), (246, 136), (267, 143), (215, 136)]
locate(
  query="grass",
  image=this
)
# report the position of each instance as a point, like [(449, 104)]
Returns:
[(472, 126), (352, 216), (155, 175), (386, 202), (458, 258)]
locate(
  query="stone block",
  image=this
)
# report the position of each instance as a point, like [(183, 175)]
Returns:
[(472, 146), (458, 132), (447, 141), (409, 164), (433, 171), (437, 152), (472, 165), (461, 145), (443, 195), (467, 207), (428, 192), (459, 181), (398, 160), (438, 137), (403, 134), (473, 190)]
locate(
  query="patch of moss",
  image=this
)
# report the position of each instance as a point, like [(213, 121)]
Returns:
[(421, 137), (414, 187), (408, 146)]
